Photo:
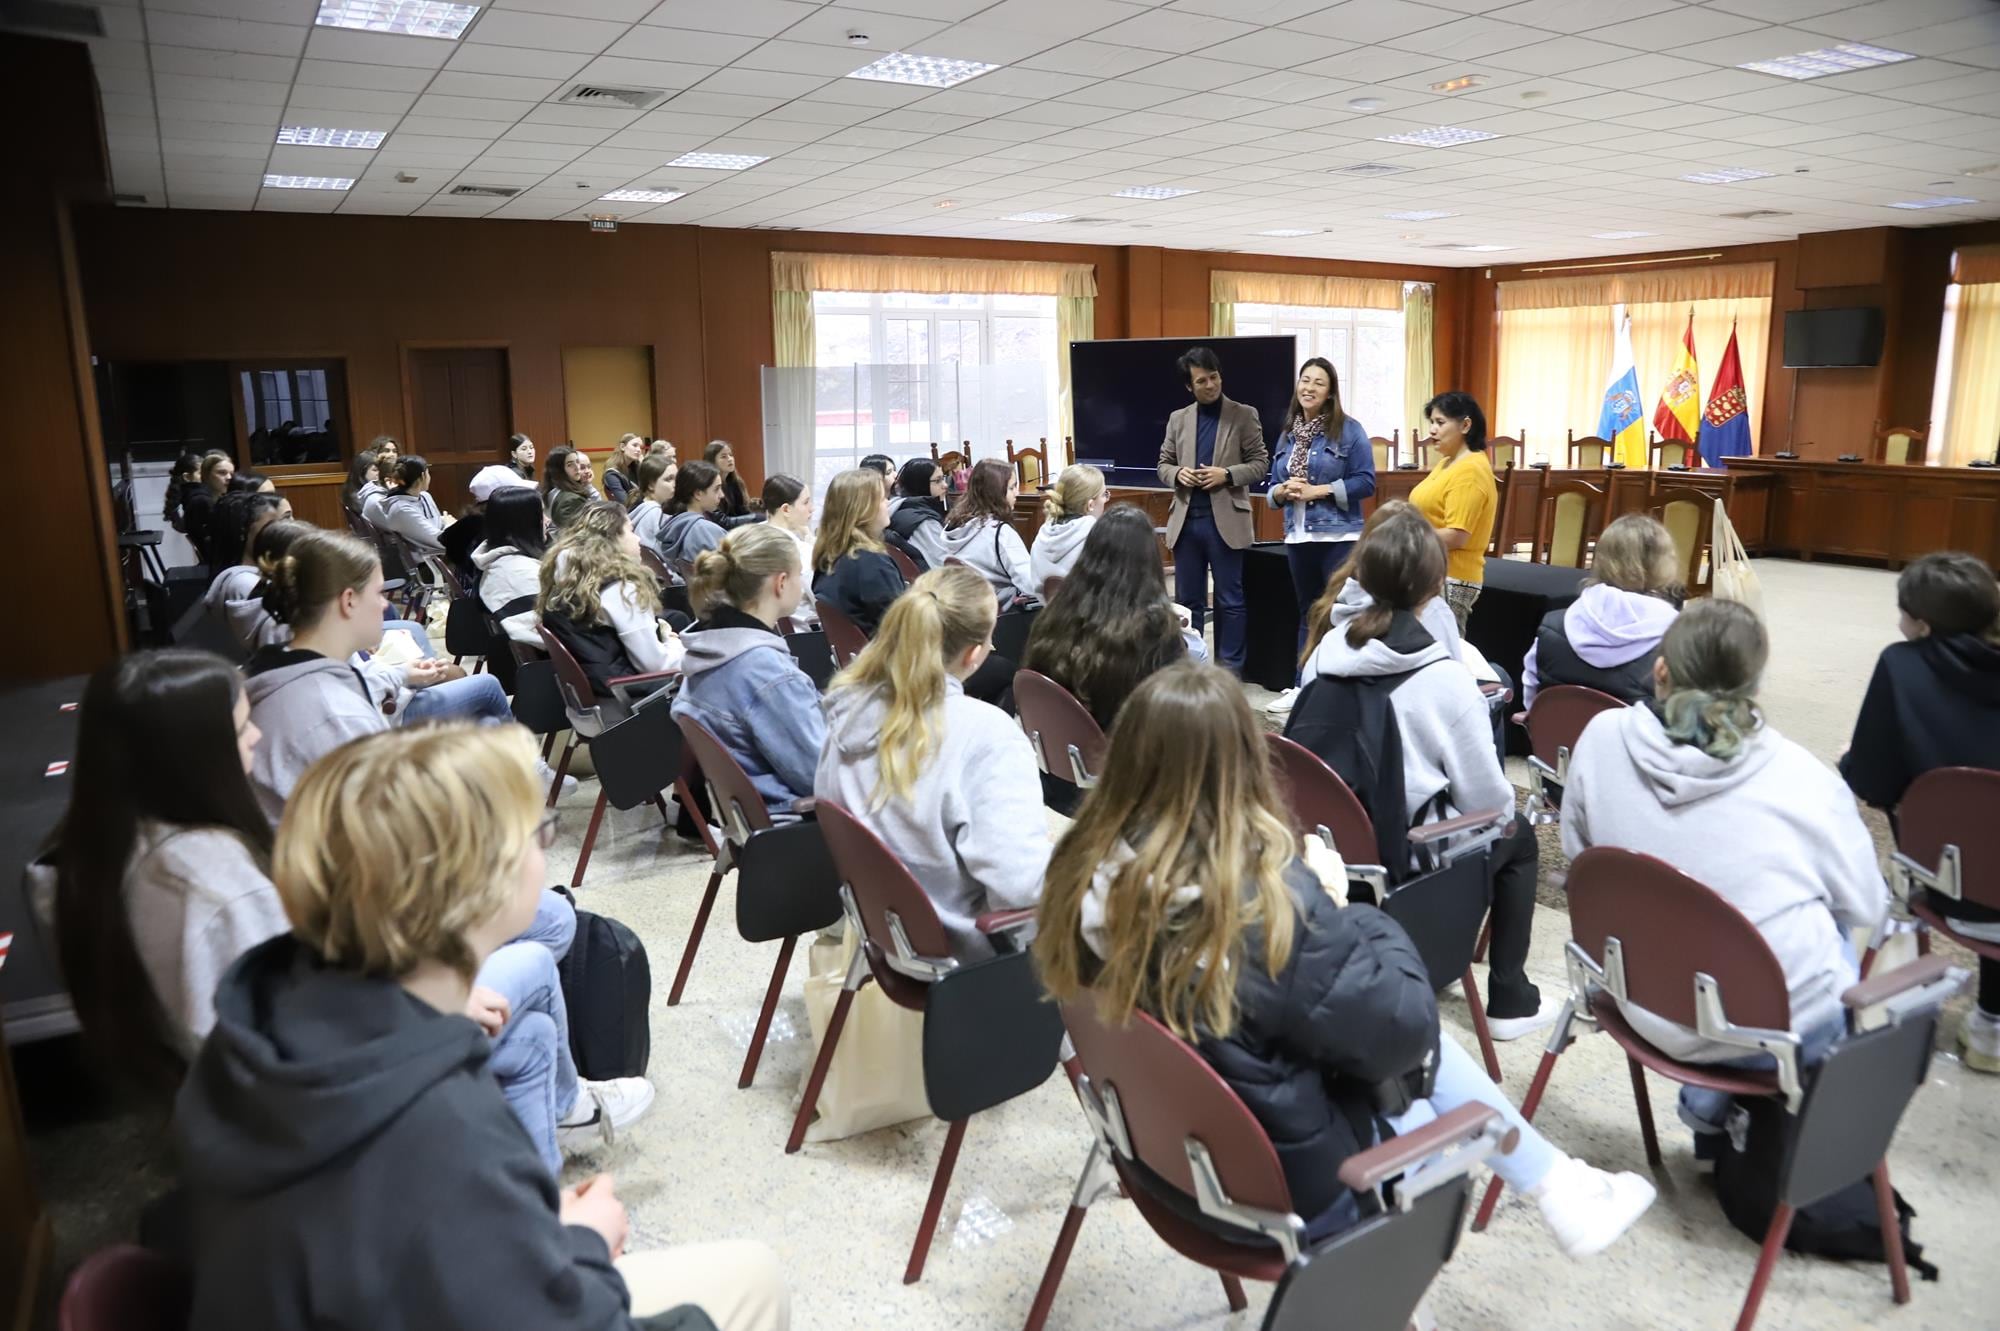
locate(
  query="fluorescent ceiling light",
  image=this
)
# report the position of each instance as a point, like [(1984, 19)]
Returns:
[(1037, 217), (1478, 249), (1152, 192), (1459, 84), (926, 71), (309, 136), (642, 195), (1951, 201), (1621, 235), (1842, 59), (1727, 175), (408, 18), (1292, 232), (718, 161), (1438, 136), (1419, 215), (307, 182)]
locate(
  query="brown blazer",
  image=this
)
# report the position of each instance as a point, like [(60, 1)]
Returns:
[(1239, 450)]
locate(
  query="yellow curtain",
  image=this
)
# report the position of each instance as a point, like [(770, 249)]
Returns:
[(1222, 318), (1716, 282), (1972, 412), (888, 272), (1976, 265), (790, 451), (1076, 321), (1346, 293), (1418, 360)]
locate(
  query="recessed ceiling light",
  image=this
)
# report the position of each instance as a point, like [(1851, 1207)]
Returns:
[(1292, 232), (1842, 59), (1152, 192), (1948, 201), (1037, 217), (945, 203), (309, 136), (718, 161), (1477, 249), (641, 196), (926, 71), (1727, 175), (1621, 235), (408, 18), (307, 182), (1419, 215), (1438, 136), (1459, 84), (1364, 103)]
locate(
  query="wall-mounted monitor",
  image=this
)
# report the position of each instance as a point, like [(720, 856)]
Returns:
[(1126, 388), (1824, 339)]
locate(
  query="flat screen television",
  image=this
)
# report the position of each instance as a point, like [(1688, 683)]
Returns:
[(1823, 339), (1125, 389)]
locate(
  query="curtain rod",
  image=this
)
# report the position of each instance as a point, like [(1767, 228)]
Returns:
[(1623, 263)]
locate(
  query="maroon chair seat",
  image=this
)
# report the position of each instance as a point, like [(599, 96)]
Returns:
[(1948, 842), (1067, 739), (1554, 723), (127, 1288), (843, 635), (904, 564)]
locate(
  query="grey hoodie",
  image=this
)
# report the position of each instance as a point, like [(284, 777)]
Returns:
[(232, 603), (994, 548), (1057, 545), (307, 705), (971, 829), (1772, 830), (415, 518), (927, 537), (686, 534), (1606, 626)]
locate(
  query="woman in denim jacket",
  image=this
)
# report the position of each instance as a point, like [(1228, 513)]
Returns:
[(1322, 468)]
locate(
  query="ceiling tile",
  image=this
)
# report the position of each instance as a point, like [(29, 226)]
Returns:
[(679, 44), (1122, 94), (377, 48), (225, 34), (1557, 55), (619, 11), (750, 18), (1197, 73), (213, 64), (353, 100), (539, 32), (792, 57), (519, 60), (1574, 16), (886, 31), (348, 74), (1172, 30), (761, 83), (456, 83)]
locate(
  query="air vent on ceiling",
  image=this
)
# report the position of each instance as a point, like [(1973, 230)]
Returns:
[(1368, 169), (53, 16), (617, 99), (486, 191), (1755, 215), (128, 198)]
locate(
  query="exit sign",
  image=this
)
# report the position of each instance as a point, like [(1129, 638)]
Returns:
[(603, 224)]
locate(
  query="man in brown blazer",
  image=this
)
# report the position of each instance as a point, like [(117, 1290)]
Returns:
[(1213, 450)]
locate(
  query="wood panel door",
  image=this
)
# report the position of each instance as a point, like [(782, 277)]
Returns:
[(460, 411)]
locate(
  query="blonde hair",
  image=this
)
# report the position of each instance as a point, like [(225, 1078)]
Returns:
[(300, 584), (394, 847), (1715, 655), (1636, 553), (734, 572), (851, 501), (586, 559), (1187, 800), (1071, 494), (943, 613)]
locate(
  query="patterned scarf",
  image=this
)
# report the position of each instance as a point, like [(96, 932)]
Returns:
[(1303, 435)]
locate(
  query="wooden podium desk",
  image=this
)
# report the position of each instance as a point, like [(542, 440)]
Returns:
[(1877, 511)]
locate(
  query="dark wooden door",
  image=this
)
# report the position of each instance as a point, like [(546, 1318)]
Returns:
[(459, 414)]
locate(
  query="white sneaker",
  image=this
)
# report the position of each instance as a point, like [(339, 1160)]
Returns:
[(1587, 1209), (1513, 1028), (1979, 1041), (1282, 704), (602, 1110), (548, 776)]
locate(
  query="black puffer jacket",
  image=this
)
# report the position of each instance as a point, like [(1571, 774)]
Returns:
[(1351, 1008)]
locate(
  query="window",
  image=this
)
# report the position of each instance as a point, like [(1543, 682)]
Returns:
[(895, 372), (1364, 346), (289, 411)]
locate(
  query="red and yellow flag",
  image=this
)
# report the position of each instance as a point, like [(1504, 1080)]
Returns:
[(1679, 414)]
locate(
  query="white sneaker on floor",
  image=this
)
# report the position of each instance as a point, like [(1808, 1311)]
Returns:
[(1587, 1209), (602, 1110), (1282, 704), (548, 776), (1513, 1028), (1979, 1041)]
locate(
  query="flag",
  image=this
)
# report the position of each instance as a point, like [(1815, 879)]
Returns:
[(1623, 421), (1725, 425), (1679, 413)]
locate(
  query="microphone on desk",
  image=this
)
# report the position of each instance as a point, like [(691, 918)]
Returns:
[(1680, 466), (1848, 457), (1540, 466), (1784, 455)]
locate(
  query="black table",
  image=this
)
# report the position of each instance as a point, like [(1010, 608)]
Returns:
[(38, 733)]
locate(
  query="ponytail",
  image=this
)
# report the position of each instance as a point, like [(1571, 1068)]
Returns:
[(300, 583), (1400, 565), (1715, 654), (1073, 492), (735, 571)]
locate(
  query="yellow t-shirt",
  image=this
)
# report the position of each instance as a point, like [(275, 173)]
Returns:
[(1461, 493)]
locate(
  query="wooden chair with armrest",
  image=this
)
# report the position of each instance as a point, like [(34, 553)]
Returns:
[(1589, 453), (1571, 515), (1689, 517), (1664, 453), (1030, 464), (1388, 452), (1504, 452), (1901, 445)]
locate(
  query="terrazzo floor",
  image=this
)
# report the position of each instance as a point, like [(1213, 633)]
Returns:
[(708, 1163)]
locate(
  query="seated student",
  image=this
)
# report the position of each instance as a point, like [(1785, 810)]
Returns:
[(341, 1085), (521, 456), (1449, 763), (740, 680), (851, 571), (690, 526), (1609, 637), (510, 561), (916, 516), (979, 532), (603, 603), (652, 491), (621, 471), (1177, 893), (1072, 508), (408, 510), (788, 506), (251, 482), (948, 782), (387, 454), (239, 519), (884, 468), (567, 485), (1696, 777), (735, 499), (185, 479), (364, 482), (198, 504), (1934, 701)]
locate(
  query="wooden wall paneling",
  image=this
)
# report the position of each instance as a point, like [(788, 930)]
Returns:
[(607, 394), (316, 497), (1843, 258), (1143, 313)]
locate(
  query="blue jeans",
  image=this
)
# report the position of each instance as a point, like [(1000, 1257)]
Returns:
[(476, 697), (531, 1057), (1200, 551), (1707, 1111), (1312, 564)]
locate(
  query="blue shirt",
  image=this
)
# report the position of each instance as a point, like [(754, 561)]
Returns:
[(1207, 420)]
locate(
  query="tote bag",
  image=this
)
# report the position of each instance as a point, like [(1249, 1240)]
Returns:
[(877, 1074), (1733, 578)]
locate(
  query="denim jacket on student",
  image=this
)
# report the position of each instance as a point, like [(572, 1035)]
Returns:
[(1348, 460)]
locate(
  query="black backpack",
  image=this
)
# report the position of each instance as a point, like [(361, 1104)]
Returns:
[(608, 987), (1349, 723)]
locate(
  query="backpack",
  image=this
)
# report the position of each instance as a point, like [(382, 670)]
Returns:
[(1845, 1224), (607, 985), (1350, 724)]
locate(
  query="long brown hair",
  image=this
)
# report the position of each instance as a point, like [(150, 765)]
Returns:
[(1187, 799), (1320, 617), (1715, 655), (1332, 420), (985, 495), (852, 499), (1400, 568), (587, 560)]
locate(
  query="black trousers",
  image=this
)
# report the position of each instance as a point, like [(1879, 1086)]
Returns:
[(1516, 858), (1973, 913)]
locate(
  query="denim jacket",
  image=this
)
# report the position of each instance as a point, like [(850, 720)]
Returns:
[(1349, 460)]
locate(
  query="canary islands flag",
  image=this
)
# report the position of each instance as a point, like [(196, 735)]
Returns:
[(1725, 425), (1623, 419), (1679, 413)]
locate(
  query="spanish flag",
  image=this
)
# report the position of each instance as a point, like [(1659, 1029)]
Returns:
[(1679, 414)]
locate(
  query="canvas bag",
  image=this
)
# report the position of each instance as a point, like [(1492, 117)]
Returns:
[(876, 1077), (1732, 578)]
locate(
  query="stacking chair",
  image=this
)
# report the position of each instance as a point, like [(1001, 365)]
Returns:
[(465, 632), (905, 565), (1050, 586), (1572, 513), (989, 1032), (1068, 742), (1948, 843), (1695, 959), (1441, 907), (785, 880), (1201, 1171), (658, 567), (127, 1288), (842, 634), (1589, 453), (1554, 723), (1688, 516)]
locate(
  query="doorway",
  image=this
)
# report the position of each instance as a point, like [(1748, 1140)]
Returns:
[(460, 411)]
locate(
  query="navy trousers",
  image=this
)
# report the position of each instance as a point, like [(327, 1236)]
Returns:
[(1200, 552)]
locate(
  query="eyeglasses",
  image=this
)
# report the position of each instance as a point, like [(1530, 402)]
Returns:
[(545, 830)]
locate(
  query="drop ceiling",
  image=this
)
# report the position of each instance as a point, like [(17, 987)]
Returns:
[(1599, 107)]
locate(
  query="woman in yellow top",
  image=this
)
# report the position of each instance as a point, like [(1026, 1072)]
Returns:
[(1459, 496)]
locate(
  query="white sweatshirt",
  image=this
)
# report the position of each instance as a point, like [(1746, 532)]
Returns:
[(197, 900), (995, 549), (1774, 831), (505, 574), (1057, 546)]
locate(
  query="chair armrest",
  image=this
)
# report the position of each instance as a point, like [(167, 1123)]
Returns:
[(1379, 1164), (1887, 984), (1004, 921), (1496, 692), (807, 807), (1885, 999), (1431, 833), (1518, 718), (628, 688)]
